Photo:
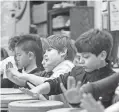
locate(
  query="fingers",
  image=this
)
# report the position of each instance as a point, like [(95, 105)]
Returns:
[(9, 65), (90, 104), (71, 83), (87, 101), (28, 92), (63, 88), (78, 85), (89, 98)]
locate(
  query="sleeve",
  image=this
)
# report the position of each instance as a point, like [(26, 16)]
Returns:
[(100, 87), (6, 83), (55, 84)]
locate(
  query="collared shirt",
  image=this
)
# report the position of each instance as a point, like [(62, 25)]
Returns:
[(64, 67)]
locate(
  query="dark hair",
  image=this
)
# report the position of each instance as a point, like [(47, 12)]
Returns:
[(32, 42), (61, 41), (12, 42), (4, 53), (95, 41)]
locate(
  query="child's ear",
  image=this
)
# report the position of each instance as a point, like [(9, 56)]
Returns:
[(64, 52), (103, 55), (31, 55)]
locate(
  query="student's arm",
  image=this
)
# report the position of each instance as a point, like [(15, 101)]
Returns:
[(21, 78), (14, 78), (17, 81), (97, 88), (102, 86), (41, 89), (105, 85), (51, 87), (36, 80)]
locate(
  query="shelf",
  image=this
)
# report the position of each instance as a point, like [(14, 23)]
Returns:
[(60, 28), (43, 22), (59, 11)]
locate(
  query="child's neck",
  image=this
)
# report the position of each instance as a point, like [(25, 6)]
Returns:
[(30, 67), (103, 64)]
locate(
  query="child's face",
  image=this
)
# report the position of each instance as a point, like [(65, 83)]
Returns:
[(22, 58), (88, 61), (51, 59)]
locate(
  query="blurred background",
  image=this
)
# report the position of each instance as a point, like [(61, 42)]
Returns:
[(51, 17)]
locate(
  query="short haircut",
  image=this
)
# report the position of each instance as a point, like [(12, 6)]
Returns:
[(12, 42), (60, 42), (95, 41), (32, 42)]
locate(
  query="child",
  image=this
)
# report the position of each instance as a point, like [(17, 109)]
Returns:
[(28, 52), (5, 82), (97, 88), (61, 48), (56, 60), (93, 51)]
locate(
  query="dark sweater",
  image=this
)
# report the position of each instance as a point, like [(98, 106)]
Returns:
[(102, 86), (80, 75), (6, 83)]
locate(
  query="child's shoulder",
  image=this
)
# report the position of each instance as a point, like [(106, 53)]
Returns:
[(67, 63)]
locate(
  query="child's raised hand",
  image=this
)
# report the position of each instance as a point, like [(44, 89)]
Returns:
[(90, 104), (9, 70), (73, 94)]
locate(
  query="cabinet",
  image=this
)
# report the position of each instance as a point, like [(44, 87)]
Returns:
[(75, 20), (39, 15)]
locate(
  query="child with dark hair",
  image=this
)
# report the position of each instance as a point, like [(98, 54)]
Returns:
[(93, 51), (28, 52), (57, 59), (31, 43), (5, 82), (59, 46)]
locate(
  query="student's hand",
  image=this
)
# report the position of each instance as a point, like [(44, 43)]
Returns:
[(35, 90), (90, 104), (29, 92), (9, 70), (73, 94)]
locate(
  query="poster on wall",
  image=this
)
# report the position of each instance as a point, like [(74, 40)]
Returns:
[(114, 15)]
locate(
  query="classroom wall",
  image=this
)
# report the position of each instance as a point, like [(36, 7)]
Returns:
[(23, 25)]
